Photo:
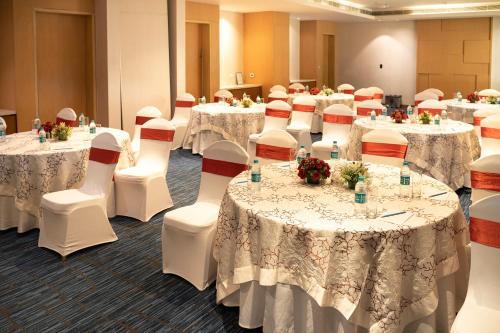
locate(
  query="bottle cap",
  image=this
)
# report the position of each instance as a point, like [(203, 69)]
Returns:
[(361, 178), (334, 142), (256, 161), (302, 146), (406, 163)]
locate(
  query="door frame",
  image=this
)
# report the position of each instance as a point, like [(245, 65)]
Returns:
[(209, 83)]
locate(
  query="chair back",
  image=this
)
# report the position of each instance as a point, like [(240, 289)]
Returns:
[(222, 94), (362, 94), (277, 115), (435, 91), (275, 146), (424, 96), (67, 116), (303, 111), (222, 161), (278, 95), (103, 157), (432, 106), (364, 108), (484, 230), (296, 87), (277, 87), (156, 141), (141, 117), (479, 115), (183, 105), (485, 177), (490, 135), (337, 122), (346, 88), (384, 147), (488, 92), (377, 94)]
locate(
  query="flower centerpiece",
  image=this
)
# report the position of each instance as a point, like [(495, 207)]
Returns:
[(47, 127), (61, 132), (327, 91), (491, 100), (314, 91), (473, 97), (313, 170), (351, 171), (246, 102), (425, 117), (398, 116)]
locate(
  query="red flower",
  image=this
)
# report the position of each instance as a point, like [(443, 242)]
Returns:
[(314, 91)]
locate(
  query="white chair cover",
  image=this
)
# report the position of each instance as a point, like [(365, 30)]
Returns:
[(490, 135), (182, 115), (277, 87), (361, 95), (435, 91), (364, 108), (67, 116), (481, 309), (485, 177), (489, 92), (302, 116), (424, 96), (346, 88), (275, 146), (337, 122), (296, 87), (480, 115), (142, 116), (377, 93), (384, 147), (433, 106), (2, 121), (76, 219), (188, 232), (142, 191), (222, 94), (278, 96)]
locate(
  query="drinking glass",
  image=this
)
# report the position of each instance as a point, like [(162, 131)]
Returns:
[(417, 185)]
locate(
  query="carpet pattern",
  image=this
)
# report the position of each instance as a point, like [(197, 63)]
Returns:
[(116, 287)]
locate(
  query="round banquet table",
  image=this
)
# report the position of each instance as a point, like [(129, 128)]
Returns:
[(442, 151), (294, 257), (215, 121), (322, 102), (463, 111), (27, 173)]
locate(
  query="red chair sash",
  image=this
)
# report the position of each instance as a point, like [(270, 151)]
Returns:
[(485, 180), (219, 98), (293, 91), (492, 133), (274, 153), (70, 123), (484, 232), (277, 113), (303, 108), (157, 134), (440, 98), (418, 102), (384, 149), (477, 120), (433, 112), (140, 120), (378, 96), (284, 99), (222, 168), (104, 156), (348, 91), (184, 104), (367, 111), (359, 98), (337, 119)]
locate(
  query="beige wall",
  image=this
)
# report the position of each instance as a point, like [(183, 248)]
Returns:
[(454, 54), (231, 47), (495, 53), (294, 48), (7, 74)]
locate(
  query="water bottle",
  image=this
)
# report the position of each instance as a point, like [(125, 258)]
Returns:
[(42, 138), (373, 115), (409, 111), (258, 100), (203, 100), (2, 132), (360, 197), (459, 96), (255, 175), (301, 154), (334, 154), (36, 124), (306, 88), (405, 190), (92, 127), (437, 120), (384, 113), (444, 115), (81, 120)]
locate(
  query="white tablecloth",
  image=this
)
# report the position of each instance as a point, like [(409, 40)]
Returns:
[(27, 173), (442, 151), (463, 111), (380, 274), (213, 121)]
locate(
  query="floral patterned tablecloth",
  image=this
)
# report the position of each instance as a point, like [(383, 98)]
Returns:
[(379, 273), (226, 122), (442, 151), (464, 111), (27, 172)]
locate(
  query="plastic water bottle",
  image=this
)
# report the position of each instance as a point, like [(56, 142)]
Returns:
[(81, 120), (2, 132), (334, 154), (409, 111), (203, 100), (306, 88), (301, 154), (36, 125), (459, 96), (258, 100), (360, 197), (405, 190), (255, 175), (444, 115), (373, 115), (92, 127), (384, 113), (42, 138), (437, 120)]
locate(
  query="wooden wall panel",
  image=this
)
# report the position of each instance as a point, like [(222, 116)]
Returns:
[(454, 54), (7, 74)]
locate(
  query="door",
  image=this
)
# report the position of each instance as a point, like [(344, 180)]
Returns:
[(329, 60), (198, 59)]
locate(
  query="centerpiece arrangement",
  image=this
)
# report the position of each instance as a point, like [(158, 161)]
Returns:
[(327, 91), (473, 97), (61, 132), (491, 100), (314, 91), (313, 170), (349, 173), (425, 117), (47, 127), (246, 102), (398, 116)]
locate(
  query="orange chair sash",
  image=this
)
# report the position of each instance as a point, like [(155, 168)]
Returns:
[(284, 99), (184, 104), (359, 98), (157, 134), (378, 96), (293, 91), (274, 153), (367, 111), (277, 113), (488, 132), (222, 168), (384, 149), (348, 91), (484, 232), (104, 156), (477, 120), (70, 123), (485, 180), (337, 119), (140, 120), (433, 112), (303, 108)]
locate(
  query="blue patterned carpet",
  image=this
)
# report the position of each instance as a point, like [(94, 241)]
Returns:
[(113, 287)]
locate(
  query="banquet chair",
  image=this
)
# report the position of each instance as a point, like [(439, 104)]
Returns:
[(424, 96), (277, 87), (2, 121), (488, 92), (364, 108), (181, 118), (67, 116), (143, 115), (383, 146), (277, 116), (481, 309), (275, 146), (346, 88), (75, 219), (432, 106), (300, 124), (485, 177), (278, 96), (435, 91), (480, 115), (222, 94), (337, 122), (296, 87), (142, 191), (361, 95), (490, 135), (188, 232), (377, 93)]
